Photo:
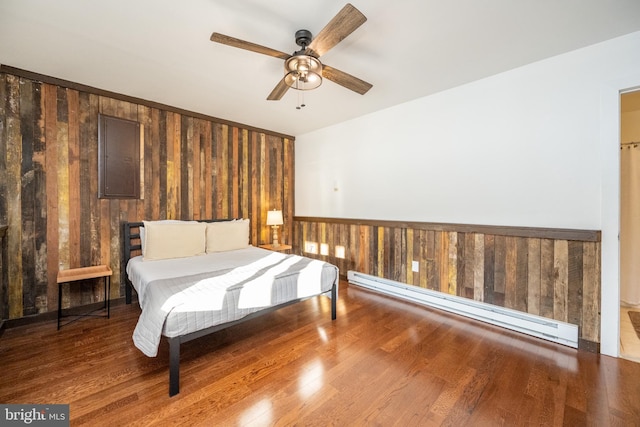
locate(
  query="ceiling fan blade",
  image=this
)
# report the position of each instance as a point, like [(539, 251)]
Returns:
[(232, 41), (278, 92), (347, 80), (343, 24)]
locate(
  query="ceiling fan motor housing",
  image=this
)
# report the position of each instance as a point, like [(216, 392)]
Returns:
[(303, 38)]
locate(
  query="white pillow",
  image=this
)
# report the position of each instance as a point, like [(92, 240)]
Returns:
[(164, 240), (160, 221), (227, 235)]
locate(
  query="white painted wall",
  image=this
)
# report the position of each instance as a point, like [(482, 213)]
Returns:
[(528, 147)]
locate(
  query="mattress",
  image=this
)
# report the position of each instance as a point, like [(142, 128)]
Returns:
[(183, 295)]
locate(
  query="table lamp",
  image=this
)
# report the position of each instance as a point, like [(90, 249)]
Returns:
[(274, 219)]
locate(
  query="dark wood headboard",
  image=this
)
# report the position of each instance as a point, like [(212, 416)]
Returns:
[(133, 247)]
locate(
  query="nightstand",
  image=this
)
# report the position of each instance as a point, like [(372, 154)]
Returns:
[(280, 248)]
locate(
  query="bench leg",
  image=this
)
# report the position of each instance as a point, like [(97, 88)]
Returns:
[(59, 303), (107, 295)]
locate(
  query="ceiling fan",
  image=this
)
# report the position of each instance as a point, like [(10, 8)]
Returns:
[(303, 69)]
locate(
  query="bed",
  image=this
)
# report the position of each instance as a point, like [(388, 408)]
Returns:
[(194, 278)]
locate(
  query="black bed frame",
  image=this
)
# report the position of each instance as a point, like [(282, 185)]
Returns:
[(174, 343)]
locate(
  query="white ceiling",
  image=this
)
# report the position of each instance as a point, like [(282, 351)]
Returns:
[(159, 50)]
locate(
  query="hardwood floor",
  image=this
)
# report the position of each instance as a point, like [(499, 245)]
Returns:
[(382, 362)]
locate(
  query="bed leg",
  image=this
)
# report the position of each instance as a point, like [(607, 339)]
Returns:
[(334, 297), (174, 366), (127, 292)]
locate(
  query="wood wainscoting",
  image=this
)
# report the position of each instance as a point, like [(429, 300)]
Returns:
[(194, 167), (554, 273)]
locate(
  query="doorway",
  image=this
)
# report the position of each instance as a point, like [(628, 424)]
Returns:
[(630, 225)]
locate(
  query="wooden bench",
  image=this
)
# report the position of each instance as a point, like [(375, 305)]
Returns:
[(84, 273)]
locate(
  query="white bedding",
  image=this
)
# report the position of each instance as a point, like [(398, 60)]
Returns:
[(142, 272), (184, 295)]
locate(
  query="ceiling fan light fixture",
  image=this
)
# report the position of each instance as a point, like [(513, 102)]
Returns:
[(303, 72)]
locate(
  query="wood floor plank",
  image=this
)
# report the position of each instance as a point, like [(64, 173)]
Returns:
[(381, 362)]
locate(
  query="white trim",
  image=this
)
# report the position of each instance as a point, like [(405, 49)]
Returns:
[(610, 199)]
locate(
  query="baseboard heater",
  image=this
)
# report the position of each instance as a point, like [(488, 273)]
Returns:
[(541, 327)]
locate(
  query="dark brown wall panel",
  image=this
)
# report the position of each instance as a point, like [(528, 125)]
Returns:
[(118, 157), (194, 167)]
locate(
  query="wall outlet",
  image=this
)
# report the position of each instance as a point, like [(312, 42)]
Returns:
[(415, 266)]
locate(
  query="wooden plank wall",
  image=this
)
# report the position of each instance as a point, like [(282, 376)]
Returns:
[(542, 272), (194, 168)]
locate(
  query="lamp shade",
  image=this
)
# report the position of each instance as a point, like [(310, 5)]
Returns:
[(274, 218), (303, 72)]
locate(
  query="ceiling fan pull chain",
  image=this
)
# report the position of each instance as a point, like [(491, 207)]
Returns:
[(300, 103)]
